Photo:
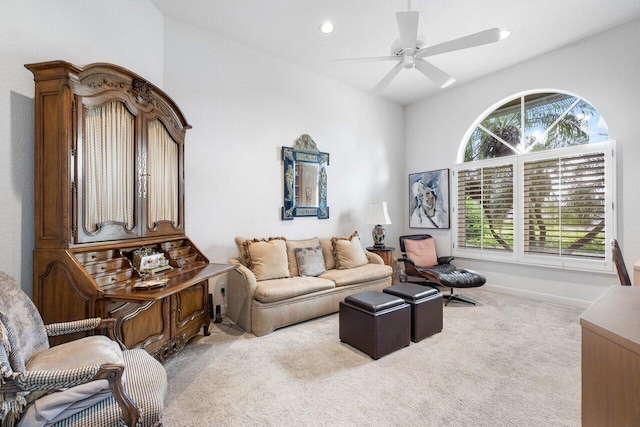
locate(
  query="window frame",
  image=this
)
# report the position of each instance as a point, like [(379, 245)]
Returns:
[(518, 255), (479, 253)]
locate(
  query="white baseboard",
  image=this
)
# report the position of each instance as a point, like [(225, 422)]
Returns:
[(539, 296)]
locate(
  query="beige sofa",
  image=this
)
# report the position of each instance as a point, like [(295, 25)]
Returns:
[(260, 301)]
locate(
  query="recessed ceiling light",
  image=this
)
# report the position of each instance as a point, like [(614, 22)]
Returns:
[(504, 34), (327, 28)]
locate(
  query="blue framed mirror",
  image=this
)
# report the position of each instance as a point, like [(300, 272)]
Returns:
[(305, 180)]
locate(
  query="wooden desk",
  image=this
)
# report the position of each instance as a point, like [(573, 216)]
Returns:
[(611, 359), (386, 253)]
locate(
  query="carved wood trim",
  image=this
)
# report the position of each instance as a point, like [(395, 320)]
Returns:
[(141, 91), (305, 143), (171, 347), (113, 374), (129, 311)]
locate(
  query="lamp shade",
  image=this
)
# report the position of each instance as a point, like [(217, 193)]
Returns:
[(378, 214)]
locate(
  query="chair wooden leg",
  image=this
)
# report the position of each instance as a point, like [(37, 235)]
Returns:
[(113, 373)]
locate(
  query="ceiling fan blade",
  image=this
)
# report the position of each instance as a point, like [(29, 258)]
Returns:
[(387, 79), (434, 73), (370, 59), (472, 40), (408, 27)]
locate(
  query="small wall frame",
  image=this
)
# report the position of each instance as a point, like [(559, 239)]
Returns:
[(305, 180)]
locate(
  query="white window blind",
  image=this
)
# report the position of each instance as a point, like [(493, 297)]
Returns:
[(485, 208), (564, 206)]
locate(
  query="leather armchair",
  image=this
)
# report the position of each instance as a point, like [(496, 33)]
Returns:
[(442, 274)]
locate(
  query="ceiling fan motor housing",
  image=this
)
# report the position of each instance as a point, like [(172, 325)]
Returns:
[(396, 47)]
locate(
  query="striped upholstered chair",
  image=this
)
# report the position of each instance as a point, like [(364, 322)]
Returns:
[(86, 382)]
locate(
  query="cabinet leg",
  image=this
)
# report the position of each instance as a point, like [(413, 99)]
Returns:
[(205, 330)]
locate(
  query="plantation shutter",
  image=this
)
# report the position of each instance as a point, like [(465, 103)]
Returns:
[(564, 206), (485, 208)]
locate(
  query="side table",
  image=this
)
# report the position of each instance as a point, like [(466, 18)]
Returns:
[(386, 253)]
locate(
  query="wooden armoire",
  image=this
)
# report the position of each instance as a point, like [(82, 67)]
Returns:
[(109, 186)]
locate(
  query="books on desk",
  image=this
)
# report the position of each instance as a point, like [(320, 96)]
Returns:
[(151, 284)]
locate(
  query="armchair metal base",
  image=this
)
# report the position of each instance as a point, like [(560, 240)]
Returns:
[(456, 298)]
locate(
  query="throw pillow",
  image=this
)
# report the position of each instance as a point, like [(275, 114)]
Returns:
[(310, 261), (292, 245), (267, 259), (422, 252), (349, 252), (327, 253), (332, 247), (239, 244)]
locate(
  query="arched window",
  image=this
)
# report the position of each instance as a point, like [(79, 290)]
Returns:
[(535, 184), (535, 122)]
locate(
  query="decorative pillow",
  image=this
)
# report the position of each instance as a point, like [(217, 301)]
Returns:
[(267, 259), (239, 244), (310, 261), (348, 252), (327, 253), (422, 252), (292, 245)]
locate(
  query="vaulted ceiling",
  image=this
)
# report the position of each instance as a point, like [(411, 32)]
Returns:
[(289, 29)]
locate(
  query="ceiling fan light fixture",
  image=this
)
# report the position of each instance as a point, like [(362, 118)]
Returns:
[(504, 34), (408, 61), (327, 28)]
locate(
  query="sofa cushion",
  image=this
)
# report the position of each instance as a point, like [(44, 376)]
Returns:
[(348, 252), (361, 274), (267, 259), (292, 245), (282, 289), (310, 261), (422, 252), (70, 355)]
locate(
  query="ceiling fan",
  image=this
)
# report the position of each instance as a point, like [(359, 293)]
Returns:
[(410, 49)]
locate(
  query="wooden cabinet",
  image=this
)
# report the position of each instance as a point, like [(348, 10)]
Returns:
[(109, 156), (611, 359), (109, 179), (386, 253)]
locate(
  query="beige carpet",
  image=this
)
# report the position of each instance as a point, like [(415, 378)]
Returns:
[(509, 361)]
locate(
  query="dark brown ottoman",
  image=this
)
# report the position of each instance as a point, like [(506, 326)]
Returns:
[(375, 323), (426, 308)]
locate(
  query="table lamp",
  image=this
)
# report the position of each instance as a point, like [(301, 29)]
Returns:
[(378, 216)]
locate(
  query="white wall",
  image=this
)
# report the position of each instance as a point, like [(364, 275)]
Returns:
[(244, 106), (123, 32), (602, 69)]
